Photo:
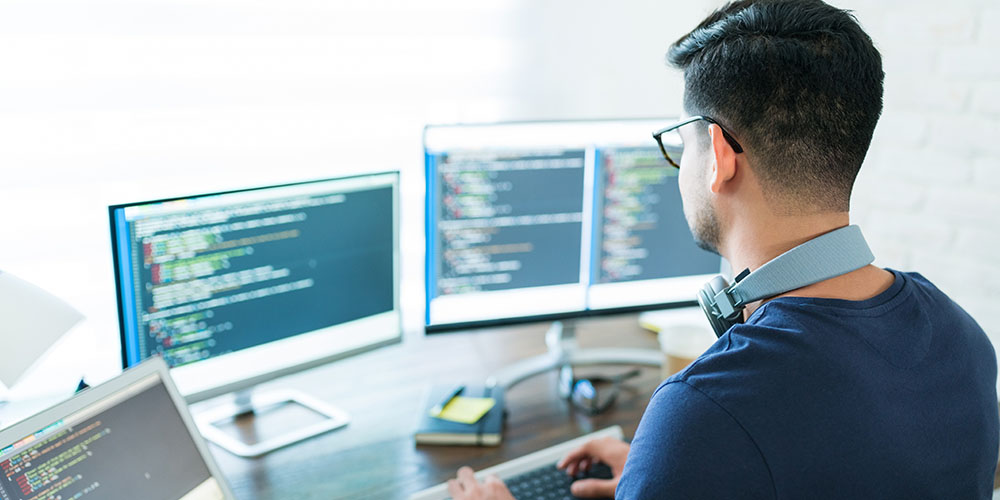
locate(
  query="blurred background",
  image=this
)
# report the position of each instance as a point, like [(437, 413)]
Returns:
[(105, 102)]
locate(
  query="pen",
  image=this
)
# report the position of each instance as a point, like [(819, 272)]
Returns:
[(451, 395)]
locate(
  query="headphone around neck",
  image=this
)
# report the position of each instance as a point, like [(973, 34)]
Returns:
[(826, 256)]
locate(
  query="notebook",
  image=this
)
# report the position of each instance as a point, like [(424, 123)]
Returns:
[(487, 431), (128, 438)]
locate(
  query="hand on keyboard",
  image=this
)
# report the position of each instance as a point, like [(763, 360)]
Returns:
[(590, 471), (467, 488), (608, 450)]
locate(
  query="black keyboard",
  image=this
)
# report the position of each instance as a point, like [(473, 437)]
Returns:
[(550, 483)]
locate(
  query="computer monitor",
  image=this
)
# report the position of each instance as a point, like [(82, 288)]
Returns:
[(130, 437), (544, 220), (236, 288)]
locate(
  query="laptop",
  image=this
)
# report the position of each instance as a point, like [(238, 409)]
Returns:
[(530, 475), (129, 438)]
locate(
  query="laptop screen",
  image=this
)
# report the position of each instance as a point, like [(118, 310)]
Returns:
[(132, 444)]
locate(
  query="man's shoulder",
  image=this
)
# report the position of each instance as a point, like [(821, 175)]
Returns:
[(796, 344), (747, 353)]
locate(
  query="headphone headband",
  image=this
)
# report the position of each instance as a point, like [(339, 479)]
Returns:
[(832, 254)]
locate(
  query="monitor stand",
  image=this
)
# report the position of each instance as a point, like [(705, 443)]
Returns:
[(564, 353), (254, 424)]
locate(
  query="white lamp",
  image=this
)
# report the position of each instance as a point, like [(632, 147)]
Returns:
[(31, 321)]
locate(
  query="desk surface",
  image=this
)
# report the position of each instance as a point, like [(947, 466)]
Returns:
[(375, 456)]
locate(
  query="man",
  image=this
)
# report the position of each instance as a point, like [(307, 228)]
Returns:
[(872, 384)]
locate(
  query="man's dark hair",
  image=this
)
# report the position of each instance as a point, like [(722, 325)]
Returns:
[(798, 83)]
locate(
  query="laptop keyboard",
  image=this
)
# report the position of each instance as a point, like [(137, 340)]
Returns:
[(550, 483)]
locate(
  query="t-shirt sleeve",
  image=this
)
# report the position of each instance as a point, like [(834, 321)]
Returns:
[(687, 446)]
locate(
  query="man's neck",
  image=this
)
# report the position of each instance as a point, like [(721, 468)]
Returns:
[(753, 242)]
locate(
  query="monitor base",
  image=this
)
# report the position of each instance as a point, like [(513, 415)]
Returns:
[(564, 353), (306, 416)]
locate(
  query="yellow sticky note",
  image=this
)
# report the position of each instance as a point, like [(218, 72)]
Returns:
[(466, 410)]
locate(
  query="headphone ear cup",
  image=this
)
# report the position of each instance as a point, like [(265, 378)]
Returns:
[(717, 284), (706, 299)]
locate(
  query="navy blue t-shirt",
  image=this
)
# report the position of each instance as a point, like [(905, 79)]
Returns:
[(891, 397)]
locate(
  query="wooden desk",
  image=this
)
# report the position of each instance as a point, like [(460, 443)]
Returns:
[(375, 456)]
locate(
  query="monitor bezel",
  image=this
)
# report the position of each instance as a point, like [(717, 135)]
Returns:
[(541, 318), (248, 382), (536, 318)]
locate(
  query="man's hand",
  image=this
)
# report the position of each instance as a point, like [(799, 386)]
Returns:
[(467, 488), (609, 450)]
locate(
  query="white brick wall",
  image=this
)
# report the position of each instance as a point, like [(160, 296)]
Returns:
[(928, 194)]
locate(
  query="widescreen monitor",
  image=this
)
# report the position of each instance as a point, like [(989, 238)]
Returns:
[(544, 220), (240, 287)]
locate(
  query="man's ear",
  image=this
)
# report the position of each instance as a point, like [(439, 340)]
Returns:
[(724, 168)]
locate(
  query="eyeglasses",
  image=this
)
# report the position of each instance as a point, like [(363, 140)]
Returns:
[(586, 397), (674, 143)]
